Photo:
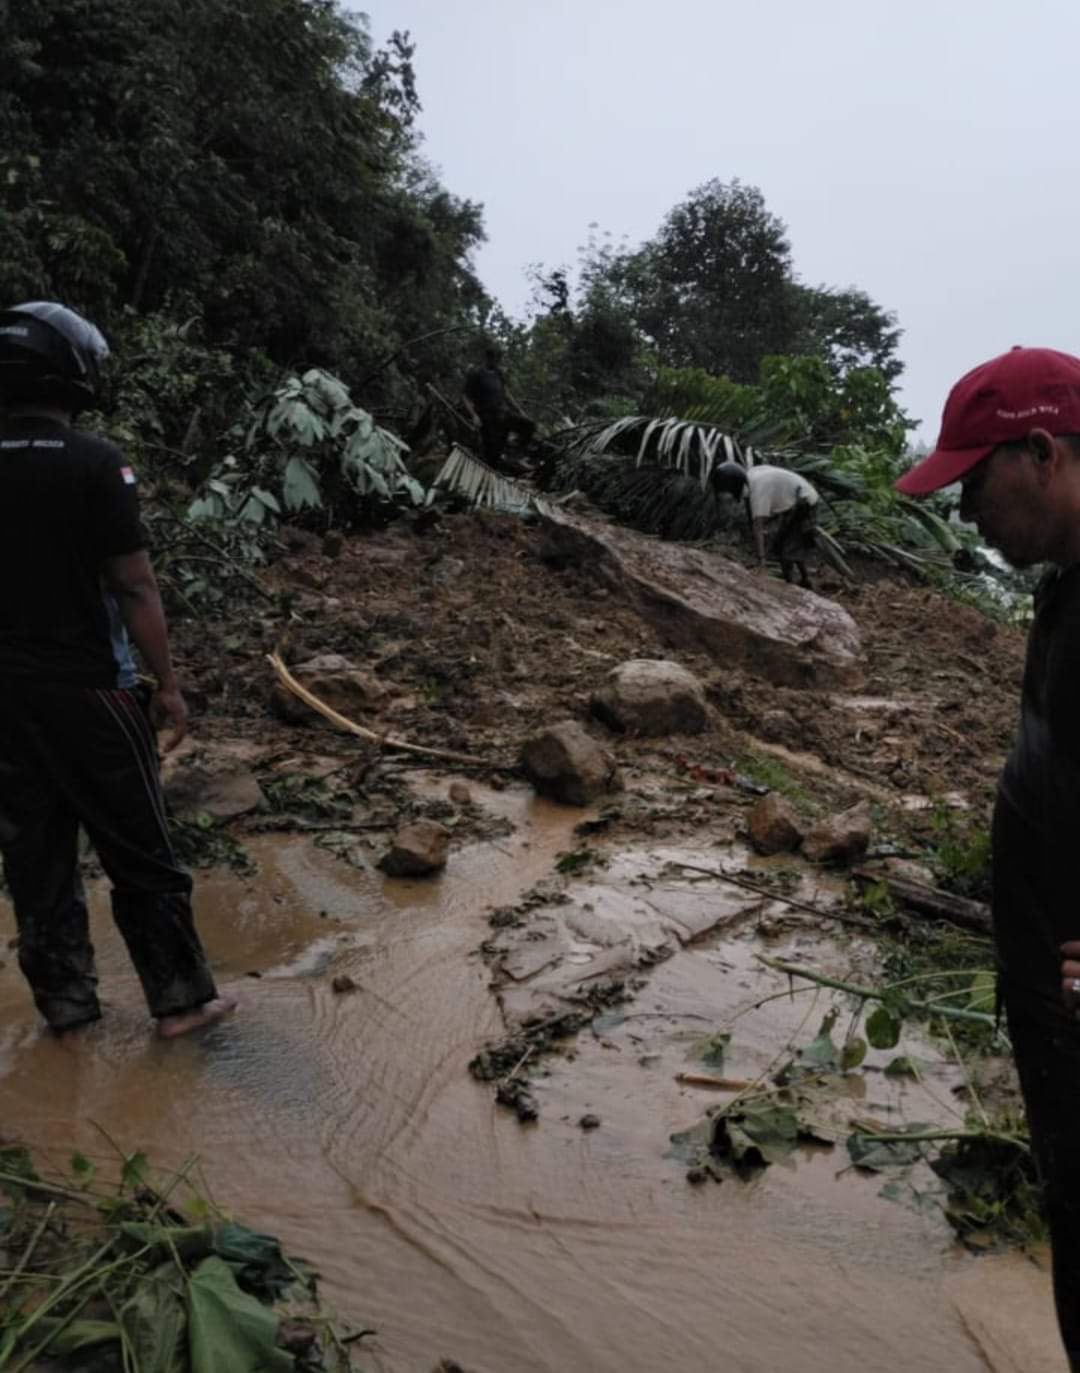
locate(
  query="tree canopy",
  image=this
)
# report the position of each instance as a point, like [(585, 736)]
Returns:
[(253, 164)]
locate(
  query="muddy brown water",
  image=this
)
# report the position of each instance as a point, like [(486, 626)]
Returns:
[(349, 1125)]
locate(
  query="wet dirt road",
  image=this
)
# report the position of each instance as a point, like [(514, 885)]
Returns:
[(349, 1126)]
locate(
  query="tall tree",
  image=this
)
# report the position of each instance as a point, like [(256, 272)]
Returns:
[(253, 163), (712, 287), (846, 329)]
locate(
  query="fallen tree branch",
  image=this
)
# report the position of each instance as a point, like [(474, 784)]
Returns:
[(289, 682), (876, 994), (724, 1084), (861, 921), (943, 905)]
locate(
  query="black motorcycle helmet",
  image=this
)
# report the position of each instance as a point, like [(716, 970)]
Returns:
[(49, 355)]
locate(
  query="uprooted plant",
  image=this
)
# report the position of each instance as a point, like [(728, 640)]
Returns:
[(146, 1275), (984, 1160)]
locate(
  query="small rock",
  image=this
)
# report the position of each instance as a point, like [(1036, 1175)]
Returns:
[(419, 848), (696, 1176), (589, 1122), (332, 544), (336, 681), (774, 825), (298, 540), (196, 789), (342, 983), (460, 794), (310, 577), (907, 867), (652, 697), (567, 764), (842, 838)]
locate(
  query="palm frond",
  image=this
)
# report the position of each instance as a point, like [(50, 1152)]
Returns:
[(464, 475)]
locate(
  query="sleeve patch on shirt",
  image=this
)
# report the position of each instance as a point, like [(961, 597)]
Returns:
[(128, 476)]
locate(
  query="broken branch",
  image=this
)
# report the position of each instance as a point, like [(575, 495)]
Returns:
[(289, 682)]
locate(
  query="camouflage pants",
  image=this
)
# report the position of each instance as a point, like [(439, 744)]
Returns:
[(72, 756)]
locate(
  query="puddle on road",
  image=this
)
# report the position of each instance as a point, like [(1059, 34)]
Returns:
[(350, 1126)]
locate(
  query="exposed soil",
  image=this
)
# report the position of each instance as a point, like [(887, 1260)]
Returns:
[(478, 641)]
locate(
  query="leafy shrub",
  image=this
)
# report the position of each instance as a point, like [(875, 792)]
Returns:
[(310, 448)]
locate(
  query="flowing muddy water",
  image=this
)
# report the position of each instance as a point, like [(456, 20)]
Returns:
[(349, 1125)]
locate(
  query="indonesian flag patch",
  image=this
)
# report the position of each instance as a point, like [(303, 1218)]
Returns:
[(128, 476)]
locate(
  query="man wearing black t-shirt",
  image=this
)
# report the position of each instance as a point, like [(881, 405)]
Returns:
[(496, 413), (77, 745), (1011, 434)]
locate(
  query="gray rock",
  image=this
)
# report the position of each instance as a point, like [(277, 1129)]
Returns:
[(842, 838), (700, 601), (774, 825), (419, 848), (652, 697), (567, 764), (221, 792)]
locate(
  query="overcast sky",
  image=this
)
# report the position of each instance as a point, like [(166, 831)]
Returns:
[(924, 151)]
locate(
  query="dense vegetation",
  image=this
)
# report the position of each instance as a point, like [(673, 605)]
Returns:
[(237, 194)]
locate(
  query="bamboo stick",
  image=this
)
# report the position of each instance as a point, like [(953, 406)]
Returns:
[(289, 682)]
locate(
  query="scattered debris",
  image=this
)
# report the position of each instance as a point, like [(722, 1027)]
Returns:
[(147, 1274)]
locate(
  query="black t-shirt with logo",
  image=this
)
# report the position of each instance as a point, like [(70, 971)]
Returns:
[(67, 503)]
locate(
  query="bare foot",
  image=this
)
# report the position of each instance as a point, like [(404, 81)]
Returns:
[(169, 1026)]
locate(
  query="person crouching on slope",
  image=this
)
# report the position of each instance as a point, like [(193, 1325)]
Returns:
[(77, 741), (789, 503)]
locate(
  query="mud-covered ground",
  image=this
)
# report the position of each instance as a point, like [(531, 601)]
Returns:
[(477, 641), (603, 967)]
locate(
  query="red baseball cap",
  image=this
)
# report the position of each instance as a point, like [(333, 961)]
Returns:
[(999, 402)]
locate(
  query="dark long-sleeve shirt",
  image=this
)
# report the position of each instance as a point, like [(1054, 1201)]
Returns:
[(1037, 817)]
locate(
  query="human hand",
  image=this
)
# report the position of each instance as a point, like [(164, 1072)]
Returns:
[(1070, 976), (168, 707)]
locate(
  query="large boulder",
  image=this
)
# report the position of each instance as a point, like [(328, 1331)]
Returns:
[(418, 849), (652, 696), (702, 602), (774, 825), (567, 764), (336, 681), (842, 838)]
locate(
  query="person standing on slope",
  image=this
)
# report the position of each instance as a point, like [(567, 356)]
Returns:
[(77, 744)]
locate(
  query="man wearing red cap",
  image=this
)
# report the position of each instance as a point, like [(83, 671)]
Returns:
[(1011, 435)]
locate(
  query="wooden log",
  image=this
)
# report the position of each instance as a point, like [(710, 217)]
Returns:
[(927, 900)]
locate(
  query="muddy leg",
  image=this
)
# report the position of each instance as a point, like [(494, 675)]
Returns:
[(41, 864)]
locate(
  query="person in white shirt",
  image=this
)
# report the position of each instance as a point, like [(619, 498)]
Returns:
[(789, 502)]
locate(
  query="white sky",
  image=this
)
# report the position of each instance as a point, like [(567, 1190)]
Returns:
[(924, 151)]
